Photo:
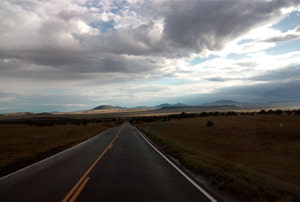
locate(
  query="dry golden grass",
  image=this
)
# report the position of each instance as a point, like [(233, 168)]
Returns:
[(267, 145), (20, 141)]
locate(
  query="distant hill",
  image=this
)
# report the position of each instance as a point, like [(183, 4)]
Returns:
[(179, 105), (141, 107), (170, 105), (163, 105), (223, 103), (217, 105), (105, 107), (18, 114)]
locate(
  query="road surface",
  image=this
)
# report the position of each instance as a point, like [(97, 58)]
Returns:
[(117, 165)]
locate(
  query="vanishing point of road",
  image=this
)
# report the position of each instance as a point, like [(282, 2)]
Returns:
[(119, 164)]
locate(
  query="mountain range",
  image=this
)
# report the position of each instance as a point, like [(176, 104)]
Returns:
[(218, 103)]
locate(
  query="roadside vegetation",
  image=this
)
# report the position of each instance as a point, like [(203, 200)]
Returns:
[(24, 142), (253, 154)]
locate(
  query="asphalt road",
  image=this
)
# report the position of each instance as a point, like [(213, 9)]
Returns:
[(117, 165)]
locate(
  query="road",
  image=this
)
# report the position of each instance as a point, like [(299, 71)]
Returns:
[(117, 165)]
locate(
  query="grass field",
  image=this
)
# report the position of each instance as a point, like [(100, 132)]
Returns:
[(257, 156), (21, 143)]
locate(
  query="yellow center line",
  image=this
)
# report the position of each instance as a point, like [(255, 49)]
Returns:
[(80, 188), (110, 146), (80, 181)]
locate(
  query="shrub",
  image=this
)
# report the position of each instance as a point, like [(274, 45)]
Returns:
[(210, 123)]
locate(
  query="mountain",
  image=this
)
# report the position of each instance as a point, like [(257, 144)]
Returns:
[(165, 105), (105, 107), (223, 103), (141, 107), (179, 105)]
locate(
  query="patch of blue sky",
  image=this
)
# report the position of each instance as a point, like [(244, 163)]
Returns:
[(168, 81), (284, 47), (104, 27), (90, 4), (198, 60), (116, 8), (289, 22), (244, 41), (119, 6)]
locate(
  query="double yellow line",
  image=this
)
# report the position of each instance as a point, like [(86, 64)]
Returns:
[(78, 187)]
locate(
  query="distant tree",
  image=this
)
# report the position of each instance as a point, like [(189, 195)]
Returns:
[(289, 112), (222, 113), (203, 114), (216, 114), (231, 113), (263, 112), (297, 112), (183, 115)]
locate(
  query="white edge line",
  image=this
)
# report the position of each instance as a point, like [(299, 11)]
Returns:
[(178, 169), (50, 157)]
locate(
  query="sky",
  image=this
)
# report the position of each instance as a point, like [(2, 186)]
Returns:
[(69, 55)]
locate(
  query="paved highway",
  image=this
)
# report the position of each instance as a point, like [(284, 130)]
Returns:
[(117, 165)]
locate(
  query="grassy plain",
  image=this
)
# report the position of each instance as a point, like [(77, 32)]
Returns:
[(257, 156), (23, 144)]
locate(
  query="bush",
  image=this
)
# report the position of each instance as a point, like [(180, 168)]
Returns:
[(278, 111), (263, 112), (297, 112), (210, 124)]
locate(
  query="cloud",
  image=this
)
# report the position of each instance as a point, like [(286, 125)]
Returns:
[(115, 45), (62, 34), (273, 91), (286, 36), (197, 26), (268, 92), (289, 73)]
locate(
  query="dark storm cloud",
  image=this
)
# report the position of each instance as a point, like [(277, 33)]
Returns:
[(268, 91), (199, 25), (291, 72), (287, 73), (272, 91), (283, 38)]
